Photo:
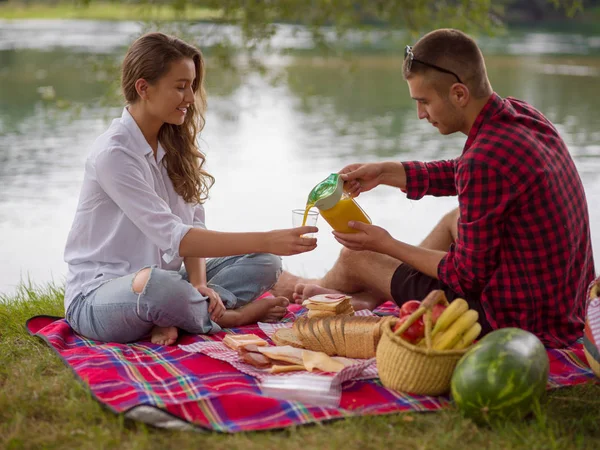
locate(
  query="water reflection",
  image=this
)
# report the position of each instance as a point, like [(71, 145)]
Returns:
[(268, 143)]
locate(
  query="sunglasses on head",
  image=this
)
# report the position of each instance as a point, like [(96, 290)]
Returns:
[(409, 57)]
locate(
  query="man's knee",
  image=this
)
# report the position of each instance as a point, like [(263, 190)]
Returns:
[(351, 258), (140, 280), (451, 220), (452, 216), (347, 255)]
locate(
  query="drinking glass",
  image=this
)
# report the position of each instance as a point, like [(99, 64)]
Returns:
[(311, 220)]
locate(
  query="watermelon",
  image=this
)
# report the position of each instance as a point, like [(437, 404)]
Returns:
[(501, 377)]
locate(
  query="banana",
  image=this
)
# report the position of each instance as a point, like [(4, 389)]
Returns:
[(456, 330), (454, 310), (468, 338), (438, 337)]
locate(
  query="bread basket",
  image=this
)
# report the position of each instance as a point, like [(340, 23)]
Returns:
[(405, 367)]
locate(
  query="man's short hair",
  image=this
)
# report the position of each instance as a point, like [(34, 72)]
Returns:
[(454, 51)]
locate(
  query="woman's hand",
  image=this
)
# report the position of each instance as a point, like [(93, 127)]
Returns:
[(290, 241), (216, 308), (361, 177), (369, 237)]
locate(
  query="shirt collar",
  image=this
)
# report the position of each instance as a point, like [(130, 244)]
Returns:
[(141, 145), (492, 106)]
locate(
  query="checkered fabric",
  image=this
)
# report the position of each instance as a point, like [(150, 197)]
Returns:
[(171, 387), (523, 244)]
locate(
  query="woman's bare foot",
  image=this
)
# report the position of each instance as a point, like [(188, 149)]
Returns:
[(164, 335), (270, 309), (302, 291), (286, 283)]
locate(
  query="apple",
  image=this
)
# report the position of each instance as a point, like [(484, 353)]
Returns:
[(436, 312), (414, 333), (409, 307)]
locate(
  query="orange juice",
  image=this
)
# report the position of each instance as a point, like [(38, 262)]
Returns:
[(335, 205), (345, 210), (308, 206)]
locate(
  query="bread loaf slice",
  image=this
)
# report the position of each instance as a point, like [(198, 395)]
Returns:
[(327, 339), (338, 334), (349, 336), (287, 336)]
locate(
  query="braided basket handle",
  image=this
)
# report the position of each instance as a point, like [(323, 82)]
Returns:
[(432, 299), (595, 289)]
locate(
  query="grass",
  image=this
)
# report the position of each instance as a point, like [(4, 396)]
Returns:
[(43, 406), (102, 10)]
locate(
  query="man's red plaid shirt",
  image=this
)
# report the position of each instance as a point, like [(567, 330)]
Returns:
[(523, 241)]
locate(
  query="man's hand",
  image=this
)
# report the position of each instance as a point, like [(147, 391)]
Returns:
[(216, 308), (361, 177), (369, 237)]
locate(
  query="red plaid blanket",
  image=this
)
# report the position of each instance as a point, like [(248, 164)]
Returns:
[(171, 387)]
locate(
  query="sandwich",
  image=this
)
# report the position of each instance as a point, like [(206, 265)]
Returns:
[(326, 305)]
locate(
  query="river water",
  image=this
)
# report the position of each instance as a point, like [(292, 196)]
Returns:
[(269, 137)]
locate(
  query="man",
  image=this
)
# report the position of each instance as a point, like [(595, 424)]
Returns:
[(517, 248)]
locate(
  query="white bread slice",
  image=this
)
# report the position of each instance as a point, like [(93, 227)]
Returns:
[(283, 353), (327, 302), (300, 328), (338, 336), (287, 336), (314, 337), (314, 314), (235, 341), (325, 336), (329, 342)]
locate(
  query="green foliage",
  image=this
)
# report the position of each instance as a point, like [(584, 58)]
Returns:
[(256, 17)]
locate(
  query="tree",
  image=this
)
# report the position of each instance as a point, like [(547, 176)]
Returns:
[(257, 18)]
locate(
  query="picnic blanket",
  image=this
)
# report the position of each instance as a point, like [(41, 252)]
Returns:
[(174, 388)]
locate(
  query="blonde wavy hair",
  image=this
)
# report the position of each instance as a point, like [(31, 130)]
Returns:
[(150, 57)]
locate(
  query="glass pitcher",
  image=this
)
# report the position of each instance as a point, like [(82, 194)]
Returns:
[(336, 206)]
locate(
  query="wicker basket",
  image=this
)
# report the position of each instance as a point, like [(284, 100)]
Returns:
[(593, 354), (408, 368)]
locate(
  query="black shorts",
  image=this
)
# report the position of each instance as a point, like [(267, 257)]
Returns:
[(410, 284)]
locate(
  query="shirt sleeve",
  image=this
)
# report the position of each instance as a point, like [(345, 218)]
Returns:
[(121, 176), (484, 195), (199, 216), (435, 178)]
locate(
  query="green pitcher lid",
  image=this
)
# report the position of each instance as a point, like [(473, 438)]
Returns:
[(327, 193)]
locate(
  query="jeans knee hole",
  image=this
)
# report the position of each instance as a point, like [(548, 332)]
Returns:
[(143, 291)]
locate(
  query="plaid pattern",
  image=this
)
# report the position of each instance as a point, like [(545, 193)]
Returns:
[(139, 378), (361, 370), (593, 318), (523, 241)]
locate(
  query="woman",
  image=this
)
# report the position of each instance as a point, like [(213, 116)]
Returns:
[(140, 216)]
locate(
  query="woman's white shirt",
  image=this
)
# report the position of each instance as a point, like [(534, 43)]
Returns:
[(129, 215)]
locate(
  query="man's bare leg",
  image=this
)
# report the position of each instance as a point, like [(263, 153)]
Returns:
[(365, 275), (287, 282), (360, 300), (443, 234)]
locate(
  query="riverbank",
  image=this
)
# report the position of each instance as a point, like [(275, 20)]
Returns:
[(100, 10), (42, 405)]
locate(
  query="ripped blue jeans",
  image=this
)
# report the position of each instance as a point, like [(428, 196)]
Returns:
[(115, 313)]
